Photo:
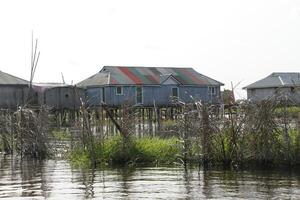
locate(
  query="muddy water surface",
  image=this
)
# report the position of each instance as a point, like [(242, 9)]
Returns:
[(56, 179)]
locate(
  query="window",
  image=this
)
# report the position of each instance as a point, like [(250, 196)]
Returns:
[(175, 92), (103, 94), (119, 90), (211, 90), (292, 89), (139, 94)]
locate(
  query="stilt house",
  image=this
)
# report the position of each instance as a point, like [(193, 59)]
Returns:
[(59, 96), (283, 85), (149, 86), (13, 91)]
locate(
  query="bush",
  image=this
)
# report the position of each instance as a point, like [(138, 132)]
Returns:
[(1, 145), (156, 150), (80, 157), (119, 151), (61, 135), (295, 145), (292, 111)]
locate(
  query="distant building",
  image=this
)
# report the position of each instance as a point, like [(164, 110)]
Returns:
[(149, 86), (277, 85), (13, 91), (58, 96)]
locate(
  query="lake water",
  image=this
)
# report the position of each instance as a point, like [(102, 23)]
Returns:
[(56, 179)]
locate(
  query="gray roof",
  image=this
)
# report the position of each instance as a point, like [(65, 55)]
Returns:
[(277, 79), (124, 75), (7, 79), (97, 79)]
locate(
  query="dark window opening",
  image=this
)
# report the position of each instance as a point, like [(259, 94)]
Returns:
[(139, 94), (292, 89), (119, 90), (103, 95), (175, 92), (212, 90)]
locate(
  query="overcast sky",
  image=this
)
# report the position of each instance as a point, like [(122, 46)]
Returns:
[(224, 39)]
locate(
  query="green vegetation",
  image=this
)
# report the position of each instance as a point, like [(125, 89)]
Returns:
[(1, 146), (117, 151), (263, 135), (157, 151), (168, 151), (292, 111), (61, 135), (255, 149)]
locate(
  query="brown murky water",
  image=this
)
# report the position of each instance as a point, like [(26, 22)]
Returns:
[(55, 179)]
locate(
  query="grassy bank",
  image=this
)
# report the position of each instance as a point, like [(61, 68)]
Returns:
[(133, 151), (170, 151), (264, 134)]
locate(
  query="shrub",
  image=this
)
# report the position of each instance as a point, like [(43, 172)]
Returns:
[(61, 135), (122, 151), (157, 150), (80, 157), (118, 150)]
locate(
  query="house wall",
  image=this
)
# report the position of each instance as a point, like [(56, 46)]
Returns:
[(112, 99), (188, 93), (93, 96), (64, 97), (158, 94), (260, 94), (13, 96), (295, 96)]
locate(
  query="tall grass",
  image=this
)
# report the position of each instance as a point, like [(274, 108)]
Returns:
[(263, 134), (157, 151), (115, 151), (252, 134), (25, 132)]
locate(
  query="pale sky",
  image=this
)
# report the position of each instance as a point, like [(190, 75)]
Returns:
[(241, 40)]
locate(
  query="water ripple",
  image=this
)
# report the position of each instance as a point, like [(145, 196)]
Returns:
[(55, 179)]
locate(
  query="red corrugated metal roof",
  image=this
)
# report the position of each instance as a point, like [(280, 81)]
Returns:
[(148, 76)]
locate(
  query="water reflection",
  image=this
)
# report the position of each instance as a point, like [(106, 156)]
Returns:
[(55, 179)]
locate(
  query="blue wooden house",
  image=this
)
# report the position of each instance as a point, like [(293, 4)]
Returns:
[(149, 86)]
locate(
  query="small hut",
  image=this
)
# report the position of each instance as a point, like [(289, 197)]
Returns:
[(59, 96), (13, 91)]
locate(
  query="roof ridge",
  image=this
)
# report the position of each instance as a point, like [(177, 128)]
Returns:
[(147, 67), (280, 73)]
